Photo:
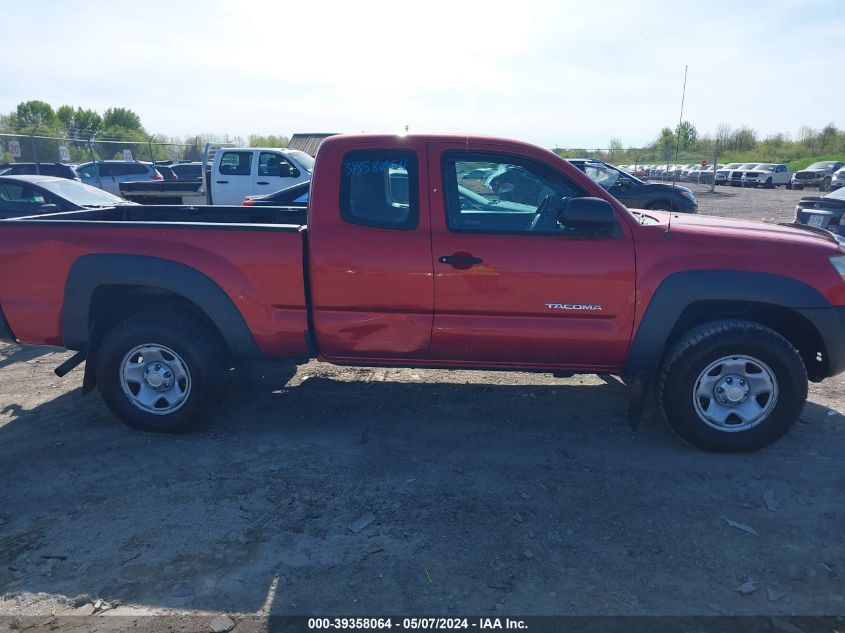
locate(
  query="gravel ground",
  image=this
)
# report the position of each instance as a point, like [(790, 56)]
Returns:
[(362, 491)]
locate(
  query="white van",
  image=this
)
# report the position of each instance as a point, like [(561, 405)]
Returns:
[(238, 172)]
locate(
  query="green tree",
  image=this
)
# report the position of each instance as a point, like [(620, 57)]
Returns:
[(78, 122), (666, 142), (33, 116), (269, 140), (122, 118), (687, 134)]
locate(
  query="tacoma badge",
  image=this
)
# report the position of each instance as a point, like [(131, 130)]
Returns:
[(573, 306)]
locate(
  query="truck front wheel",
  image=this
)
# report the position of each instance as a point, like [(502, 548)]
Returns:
[(732, 386), (160, 371)]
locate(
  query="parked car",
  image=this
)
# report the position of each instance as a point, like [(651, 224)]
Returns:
[(838, 179), (817, 175), (735, 176), (187, 171), (768, 175), (723, 173), (705, 176), (30, 195), (233, 174), (166, 172), (395, 269), (635, 193), (823, 212), (295, 196), (60, 170), (109, 174)]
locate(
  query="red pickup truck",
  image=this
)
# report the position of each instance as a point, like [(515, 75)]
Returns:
[(437, 251)]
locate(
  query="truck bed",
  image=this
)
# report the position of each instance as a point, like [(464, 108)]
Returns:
[(175, 214), (254, 255)]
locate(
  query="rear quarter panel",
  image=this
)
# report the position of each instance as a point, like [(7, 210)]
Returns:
[(259, 269)]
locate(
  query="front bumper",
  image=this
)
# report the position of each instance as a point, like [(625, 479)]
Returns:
[(830, 324), (6, 335), (810, 182)]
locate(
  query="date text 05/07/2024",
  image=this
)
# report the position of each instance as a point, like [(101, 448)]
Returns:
[(431, 624)]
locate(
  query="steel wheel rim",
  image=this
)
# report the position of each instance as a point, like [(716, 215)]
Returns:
[(735, 393), (155, 379)]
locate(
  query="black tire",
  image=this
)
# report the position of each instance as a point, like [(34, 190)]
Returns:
[(768, 184), (825, 186), (799, 187), (788, 185), (660, 205), (707, 343), (199, 353)]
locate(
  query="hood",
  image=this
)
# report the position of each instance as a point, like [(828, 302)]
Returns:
[(729, 228), (659, 186), (820, 170)]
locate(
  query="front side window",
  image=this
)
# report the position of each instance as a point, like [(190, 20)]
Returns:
[(502, 194), (271, 164), (380, 188), (236, 163)]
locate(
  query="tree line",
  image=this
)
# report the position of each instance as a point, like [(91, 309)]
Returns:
[(109, 133), (728, 144)]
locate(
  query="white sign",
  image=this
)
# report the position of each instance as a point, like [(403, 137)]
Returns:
[(64, 154), (15, 149), (127, 154), (174, 157)]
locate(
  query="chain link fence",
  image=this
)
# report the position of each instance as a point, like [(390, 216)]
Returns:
[(34, 148)]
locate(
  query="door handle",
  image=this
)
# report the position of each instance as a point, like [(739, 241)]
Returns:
[(222, 182), (460, 260), (262, 182)]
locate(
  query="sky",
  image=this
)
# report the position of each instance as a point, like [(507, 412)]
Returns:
[(556, 73)]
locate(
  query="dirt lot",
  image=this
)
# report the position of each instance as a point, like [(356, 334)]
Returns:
[(362, 491)]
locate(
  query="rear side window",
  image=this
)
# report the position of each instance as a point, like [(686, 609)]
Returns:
[(129, 169), (380, 188), (236, 163)]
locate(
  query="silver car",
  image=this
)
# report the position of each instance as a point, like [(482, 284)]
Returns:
[(113, 172)]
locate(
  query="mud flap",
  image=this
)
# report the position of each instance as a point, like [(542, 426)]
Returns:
[(636, 404), (89, 380)]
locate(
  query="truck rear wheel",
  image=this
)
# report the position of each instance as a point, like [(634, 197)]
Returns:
[(159, 372), (732, 386)]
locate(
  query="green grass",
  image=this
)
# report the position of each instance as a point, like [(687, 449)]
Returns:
[(803, 163)]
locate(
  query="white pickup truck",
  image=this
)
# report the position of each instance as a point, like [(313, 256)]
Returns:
[(768, 175), (230, 175)]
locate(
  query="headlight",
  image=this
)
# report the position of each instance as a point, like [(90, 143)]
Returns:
[(838, 262), (687, 194)]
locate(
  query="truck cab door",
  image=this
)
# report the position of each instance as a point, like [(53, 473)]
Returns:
[(232, 177), (512, 288), (369, 253)]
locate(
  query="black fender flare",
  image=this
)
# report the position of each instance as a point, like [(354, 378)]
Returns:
[(680, 290), (90, 272)]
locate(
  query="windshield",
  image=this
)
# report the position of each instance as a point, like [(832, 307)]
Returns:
[(748, 166), (81, 194), (766, 167), (839, 194), (303, 159), (826, 164)]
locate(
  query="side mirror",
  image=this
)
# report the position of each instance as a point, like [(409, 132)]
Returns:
[(587, 215), (625, 182)]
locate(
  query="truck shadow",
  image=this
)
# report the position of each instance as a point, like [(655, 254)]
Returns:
[(360, 497)]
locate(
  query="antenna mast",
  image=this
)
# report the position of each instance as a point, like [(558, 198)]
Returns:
[(678, 146)]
